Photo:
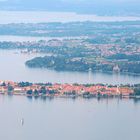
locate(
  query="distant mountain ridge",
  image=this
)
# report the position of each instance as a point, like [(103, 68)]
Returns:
[(106, 7)]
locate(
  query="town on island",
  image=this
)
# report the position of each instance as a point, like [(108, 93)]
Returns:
[(69, 90)]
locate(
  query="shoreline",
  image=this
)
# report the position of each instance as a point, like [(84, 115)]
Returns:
[(69, 90), (98, 71), (76, 96)]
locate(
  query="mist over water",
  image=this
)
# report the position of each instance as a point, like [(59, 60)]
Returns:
[(104, 7), (44, 16)]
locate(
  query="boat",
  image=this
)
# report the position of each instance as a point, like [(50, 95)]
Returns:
[(22, 121)]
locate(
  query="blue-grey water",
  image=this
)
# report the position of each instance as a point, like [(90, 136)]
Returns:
[(12, 67), (68, 119), (62, 119)]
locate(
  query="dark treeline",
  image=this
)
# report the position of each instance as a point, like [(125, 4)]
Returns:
[(125, 57)]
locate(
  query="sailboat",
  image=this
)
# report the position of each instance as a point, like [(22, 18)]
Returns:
[(22, 121)]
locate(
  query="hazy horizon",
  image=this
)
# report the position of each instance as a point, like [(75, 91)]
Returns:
[(106, 7)]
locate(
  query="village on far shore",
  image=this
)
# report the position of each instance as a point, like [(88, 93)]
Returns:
[(69, 90)]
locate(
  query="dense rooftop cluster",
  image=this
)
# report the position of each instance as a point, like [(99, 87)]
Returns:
[(65, 90), (80, 46)]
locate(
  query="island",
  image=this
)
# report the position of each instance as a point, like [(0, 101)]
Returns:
[(69, 90)]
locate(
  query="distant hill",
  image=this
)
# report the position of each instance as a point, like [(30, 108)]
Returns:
[(104, 7)]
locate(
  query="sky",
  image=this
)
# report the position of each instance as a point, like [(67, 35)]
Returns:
[(78, 6)]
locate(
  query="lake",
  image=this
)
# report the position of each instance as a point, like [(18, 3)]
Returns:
[(12, 67), (58, 118), (68, 119), (44, 16)]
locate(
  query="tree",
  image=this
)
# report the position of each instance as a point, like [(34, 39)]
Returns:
[(24, 84), (137, 91), (3, 84), (43, 90), (10, 88), (29, 92), (36, 92)]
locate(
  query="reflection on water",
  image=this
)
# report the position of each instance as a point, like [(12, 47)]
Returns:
[(136, 101), (71, 119), (12, 67), (99, 99), (41, 98)]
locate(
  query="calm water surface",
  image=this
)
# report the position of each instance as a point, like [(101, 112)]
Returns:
[(12, 67), (63, 119), (69, 119)]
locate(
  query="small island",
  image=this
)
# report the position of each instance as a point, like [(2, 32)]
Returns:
[(69, 90)]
